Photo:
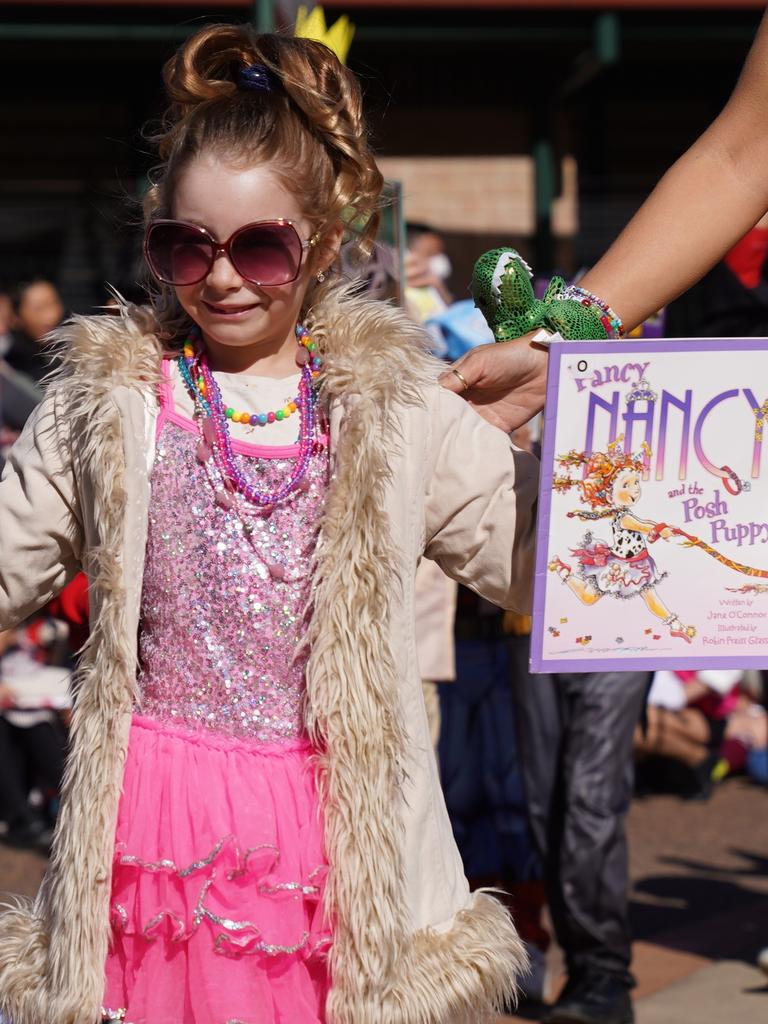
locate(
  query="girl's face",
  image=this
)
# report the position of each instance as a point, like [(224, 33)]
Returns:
[(626, 488), (243, 322)]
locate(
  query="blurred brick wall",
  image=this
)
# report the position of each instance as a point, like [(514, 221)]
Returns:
[(480, 194)]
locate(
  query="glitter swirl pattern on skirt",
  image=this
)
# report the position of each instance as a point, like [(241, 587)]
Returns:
[(218, 878), (223, 608)]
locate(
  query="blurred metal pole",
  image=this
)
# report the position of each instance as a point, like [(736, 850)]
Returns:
[(546, 191), (605, 52), (608, 38), (264, 15)]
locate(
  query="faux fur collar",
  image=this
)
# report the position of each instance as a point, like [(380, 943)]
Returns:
[(370, 348)]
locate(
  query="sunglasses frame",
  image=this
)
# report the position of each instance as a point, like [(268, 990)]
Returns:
[(218, 248)]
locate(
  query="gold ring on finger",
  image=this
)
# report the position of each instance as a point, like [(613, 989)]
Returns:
[(461, 377)]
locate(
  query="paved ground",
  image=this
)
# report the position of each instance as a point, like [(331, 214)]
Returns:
[(20, 872), (699, 906)]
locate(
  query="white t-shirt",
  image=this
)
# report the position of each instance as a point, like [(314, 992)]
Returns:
[(250, 393)]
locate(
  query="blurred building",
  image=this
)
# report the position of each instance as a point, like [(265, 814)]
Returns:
[(543, 124)]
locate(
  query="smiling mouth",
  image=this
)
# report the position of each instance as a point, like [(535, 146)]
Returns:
[(222, 310)]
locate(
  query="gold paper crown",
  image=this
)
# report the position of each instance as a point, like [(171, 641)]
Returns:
[(337, 38)]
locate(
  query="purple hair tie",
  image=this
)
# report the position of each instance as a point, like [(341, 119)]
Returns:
[(256, 77)]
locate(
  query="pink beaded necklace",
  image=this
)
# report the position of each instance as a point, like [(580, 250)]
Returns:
[(216, 441)]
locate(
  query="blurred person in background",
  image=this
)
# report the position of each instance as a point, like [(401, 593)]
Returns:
[(575, 734), (36, 661), (18, 393), (18, 397), (427, 270), (706, 722), (6, 320), (72, 607), (32, 733), (37, 310)]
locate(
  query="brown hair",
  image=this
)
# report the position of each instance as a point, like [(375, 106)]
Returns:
[(309, 123)]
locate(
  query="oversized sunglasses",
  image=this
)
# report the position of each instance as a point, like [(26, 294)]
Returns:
[(266, 252)]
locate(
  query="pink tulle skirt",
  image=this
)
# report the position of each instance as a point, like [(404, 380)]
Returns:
[(218, 879)]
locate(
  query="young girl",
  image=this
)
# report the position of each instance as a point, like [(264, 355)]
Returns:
[(252, 827), (621, 567)]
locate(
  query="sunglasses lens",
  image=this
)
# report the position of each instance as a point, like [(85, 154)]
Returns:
[(268, 254), (178, 254)]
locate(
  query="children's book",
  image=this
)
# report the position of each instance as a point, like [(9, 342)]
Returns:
[(652, 549)]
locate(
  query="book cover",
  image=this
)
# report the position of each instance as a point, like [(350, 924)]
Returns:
[(652, 547)]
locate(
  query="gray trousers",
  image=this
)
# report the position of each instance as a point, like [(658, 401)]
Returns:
[(575, 743)]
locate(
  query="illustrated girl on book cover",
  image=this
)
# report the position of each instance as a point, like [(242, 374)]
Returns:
[(622, 566)]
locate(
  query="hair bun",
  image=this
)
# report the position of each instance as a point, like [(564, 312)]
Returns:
[(207, 67)]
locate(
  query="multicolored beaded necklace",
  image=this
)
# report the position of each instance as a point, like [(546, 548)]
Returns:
[(216, 441), (306, 355)]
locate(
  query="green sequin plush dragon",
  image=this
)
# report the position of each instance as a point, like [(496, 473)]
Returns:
[(503, 292)]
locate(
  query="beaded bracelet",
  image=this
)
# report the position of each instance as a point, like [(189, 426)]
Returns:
[(611, 321), (503, 292)]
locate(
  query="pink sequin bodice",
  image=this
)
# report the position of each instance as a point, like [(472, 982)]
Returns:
[(225, 594)]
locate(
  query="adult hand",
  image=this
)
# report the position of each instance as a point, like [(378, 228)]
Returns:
[(505, 381)]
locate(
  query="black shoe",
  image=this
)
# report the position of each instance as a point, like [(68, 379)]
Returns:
[(702, 779), (594, 999), (31, 835)]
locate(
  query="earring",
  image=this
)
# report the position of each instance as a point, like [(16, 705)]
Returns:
[(321, 277)]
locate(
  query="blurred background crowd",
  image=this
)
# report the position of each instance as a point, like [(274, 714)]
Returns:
[(542, 125)]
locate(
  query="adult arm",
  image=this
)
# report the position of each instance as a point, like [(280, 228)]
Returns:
[(709, 199), (702, 206)]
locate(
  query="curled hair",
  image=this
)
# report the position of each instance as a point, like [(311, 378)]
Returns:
[(600, 472), (309, 125)]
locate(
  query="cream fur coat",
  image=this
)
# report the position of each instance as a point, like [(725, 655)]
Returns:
[(414, 471)]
